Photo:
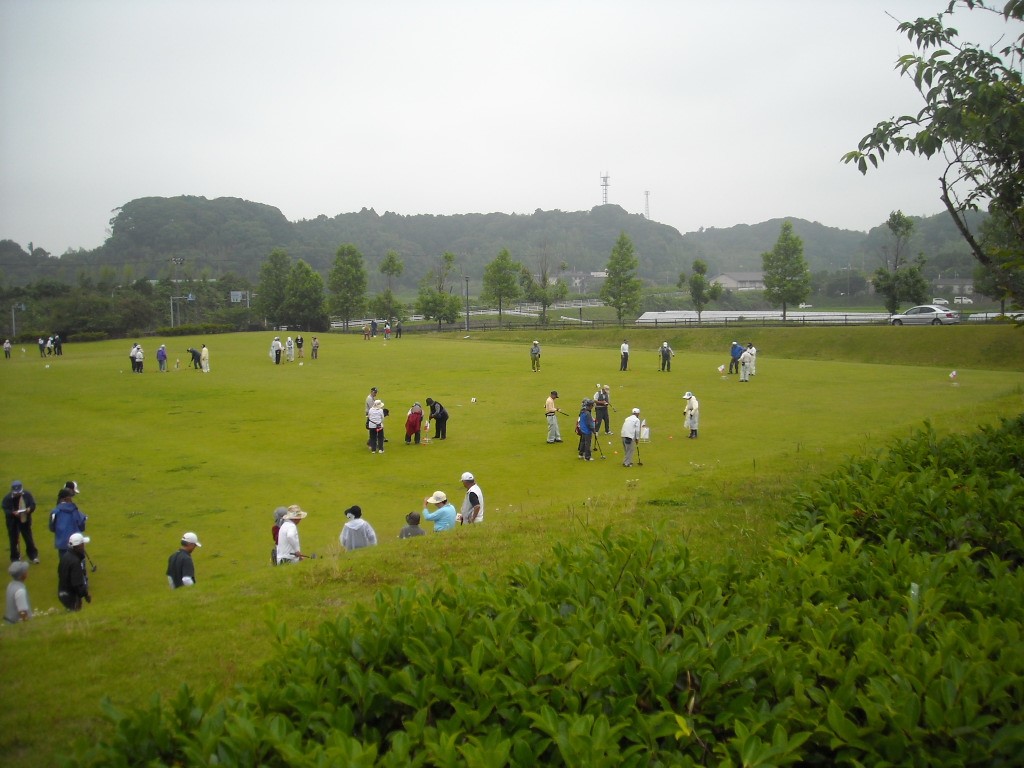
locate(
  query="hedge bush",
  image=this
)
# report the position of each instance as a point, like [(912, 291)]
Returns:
[(885, 629)]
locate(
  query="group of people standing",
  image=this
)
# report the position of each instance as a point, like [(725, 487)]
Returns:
[(291, 349), (50, 346), (743, 360), (415, 421)]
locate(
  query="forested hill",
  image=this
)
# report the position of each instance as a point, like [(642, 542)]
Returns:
[(155, 237)]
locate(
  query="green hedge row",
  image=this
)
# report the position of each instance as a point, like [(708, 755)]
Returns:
[(884, 630)]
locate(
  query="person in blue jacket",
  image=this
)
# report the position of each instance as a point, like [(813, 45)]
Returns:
[(66, 519), (734, 357), (587, 427), (443, 516)]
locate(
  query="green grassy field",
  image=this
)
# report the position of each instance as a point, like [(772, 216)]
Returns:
[(158, 454)]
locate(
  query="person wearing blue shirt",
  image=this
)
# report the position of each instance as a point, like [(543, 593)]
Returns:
[(587, 429), (443, 516), (734, 357), (65, 519)]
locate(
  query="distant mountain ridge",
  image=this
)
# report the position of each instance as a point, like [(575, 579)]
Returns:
[(154, 237)]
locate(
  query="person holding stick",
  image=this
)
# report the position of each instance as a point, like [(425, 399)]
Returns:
[(72, 580), (550, 413), (630, 434), (288, 548), (602, 400)]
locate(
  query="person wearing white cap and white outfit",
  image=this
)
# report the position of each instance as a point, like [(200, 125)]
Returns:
[(375, 426), (630, 434), (473, 505), (443, 517), (72, 580), (181, 571), (288, 548), (691, 414)]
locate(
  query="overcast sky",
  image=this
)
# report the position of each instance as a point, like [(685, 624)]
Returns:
[(725, 112)]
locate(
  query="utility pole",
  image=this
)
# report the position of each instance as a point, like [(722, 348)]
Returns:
[(467, 301)]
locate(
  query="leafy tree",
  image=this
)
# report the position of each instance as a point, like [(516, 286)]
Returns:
[(270, 294), (385, 305), (304, 298), (500, 280), (621, 289), (999, 281), (899, 279), (544, 288), (435, 300), (347, 284), (391, 268), (973, 116), (786, 277), (701, 291)]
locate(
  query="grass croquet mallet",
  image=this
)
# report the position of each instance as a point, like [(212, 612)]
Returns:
[(92, 565), (597, 442)]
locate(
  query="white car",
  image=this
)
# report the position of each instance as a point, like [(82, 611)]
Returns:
[(806, 306), (962, 300), (928, 314), (939, 301)]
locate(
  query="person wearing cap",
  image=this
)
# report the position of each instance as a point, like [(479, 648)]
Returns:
[(753, 357), (370, 398), (624, 355), (356, 533), (438, 415), (411, 527), (473, 505), (691, 414), (7, 348), (289, 350), (586, 427), (630, 434), (666, 357), (65, 519), (414, 424), (161, 358), (181, 571), (375, 426), (140, 358), (745, 360), (315, 351), (18, 506), (17, 607), (72, 580), (535, 356), (288, 548), (551, 414), (275, 350), (196, 358), (735, 350), (299, 344), (443, 516), (602, 399)]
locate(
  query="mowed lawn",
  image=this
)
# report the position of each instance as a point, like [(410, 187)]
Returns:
[(159, 454)]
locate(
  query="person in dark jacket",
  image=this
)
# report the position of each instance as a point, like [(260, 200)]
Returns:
[(587, 429), (439, 416), (65, 519), (72, 580), (18, 506), (181, 571)]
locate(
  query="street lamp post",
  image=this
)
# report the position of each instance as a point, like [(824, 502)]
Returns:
[(14, 326), (467, 301)]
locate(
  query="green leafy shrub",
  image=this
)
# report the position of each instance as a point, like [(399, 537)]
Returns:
[(889, 637)]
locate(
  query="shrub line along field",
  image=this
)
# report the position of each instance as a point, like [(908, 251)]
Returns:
[(158, 454)]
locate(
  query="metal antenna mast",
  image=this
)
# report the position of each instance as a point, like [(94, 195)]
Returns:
[(647, 205), (604, 188)]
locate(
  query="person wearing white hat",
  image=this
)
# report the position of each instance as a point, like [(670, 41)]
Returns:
[(275, 350), (666, 357), (630, 434), (735, 350), (181, 571), (72, 580), (535, 356), (473, 504), (443, 516), (375, 426), (602, 399), (691, 415), (288, 548)]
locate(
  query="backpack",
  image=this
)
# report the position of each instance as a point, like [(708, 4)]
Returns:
[(578, 430)]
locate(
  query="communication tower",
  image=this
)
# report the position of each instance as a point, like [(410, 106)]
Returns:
[(647, 205), (604, 188)]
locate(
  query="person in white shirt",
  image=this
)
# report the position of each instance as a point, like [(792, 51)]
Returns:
[(753, 358), (624, 355), (288, 548), (630, 434), (473, 505), (691, 414), (357, 533), (745, 360)]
